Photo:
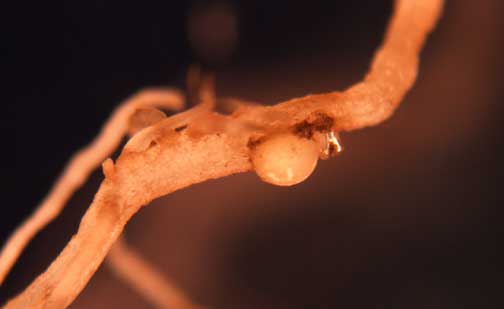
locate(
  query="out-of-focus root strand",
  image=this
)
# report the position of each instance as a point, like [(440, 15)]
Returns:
[(143, 277)]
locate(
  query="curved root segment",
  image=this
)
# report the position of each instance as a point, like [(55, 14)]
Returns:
[(209, 146)]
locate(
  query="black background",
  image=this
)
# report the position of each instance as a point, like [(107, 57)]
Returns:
[(71, 63)]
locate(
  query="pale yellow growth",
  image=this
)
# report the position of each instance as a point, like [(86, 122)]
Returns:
[(285, 159)]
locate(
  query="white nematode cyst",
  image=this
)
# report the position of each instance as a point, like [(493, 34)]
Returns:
[(285, 159)]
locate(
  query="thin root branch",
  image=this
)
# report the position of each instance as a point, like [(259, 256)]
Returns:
[(144, 278)]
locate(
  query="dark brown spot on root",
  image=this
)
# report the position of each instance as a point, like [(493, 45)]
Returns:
[(303, 129), (317, 122), (254, 141), (181, 128), (153, 143), (323, 123)]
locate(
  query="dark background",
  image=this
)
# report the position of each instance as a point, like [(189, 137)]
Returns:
[(407, 217)]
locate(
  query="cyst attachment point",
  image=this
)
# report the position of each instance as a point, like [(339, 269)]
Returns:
[(285, 159)]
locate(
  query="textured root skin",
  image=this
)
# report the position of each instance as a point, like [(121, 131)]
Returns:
[(153, 173), (183, 159)]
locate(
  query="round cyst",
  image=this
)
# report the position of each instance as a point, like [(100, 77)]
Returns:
[(285, 159)]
